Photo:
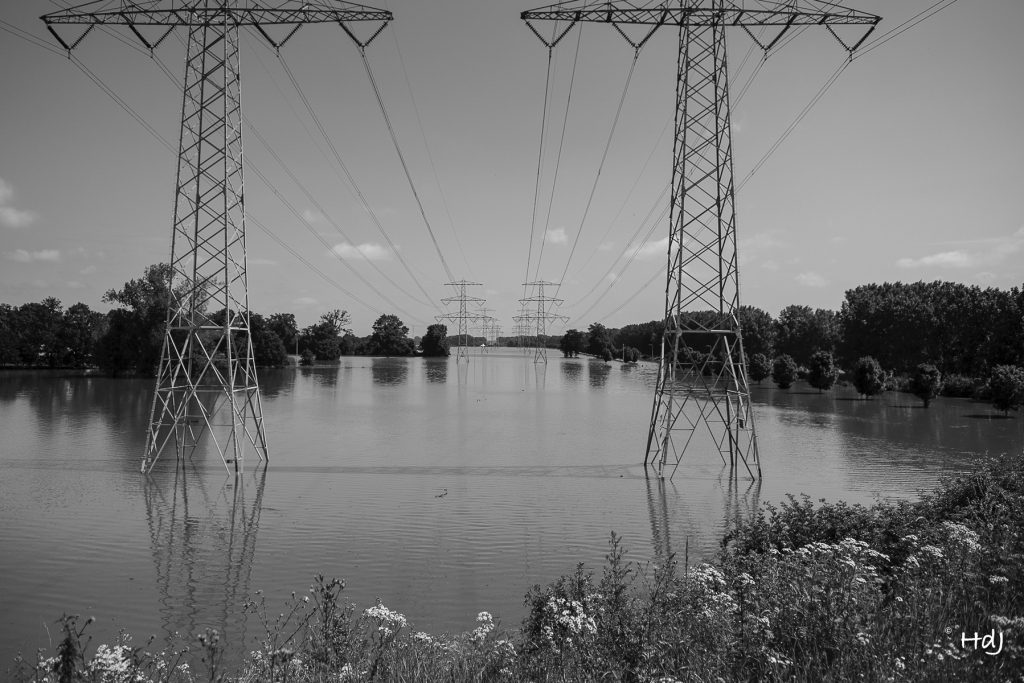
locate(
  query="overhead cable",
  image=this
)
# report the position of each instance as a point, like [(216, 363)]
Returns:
[(337, 157), (405, 166)]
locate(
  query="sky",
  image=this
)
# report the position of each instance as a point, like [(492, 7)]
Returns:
[(910, 167)]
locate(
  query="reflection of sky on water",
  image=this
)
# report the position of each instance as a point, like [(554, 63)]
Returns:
[(540, 464)]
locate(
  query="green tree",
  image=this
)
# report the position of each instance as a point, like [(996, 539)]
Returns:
[(926, 382), (1007, 386), (599, 338), (323, 338), (286, 329), (135, 332), (37, 327), (823, 371), (758, 329), (800, 331), (268, 351), (435, 342), (390, 337), (868, 377), (784, 371), (759, 367), (80, 329), (8, 332), (571, 343)]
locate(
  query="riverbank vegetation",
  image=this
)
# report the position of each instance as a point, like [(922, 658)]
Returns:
[(807, 591), (971, 339)]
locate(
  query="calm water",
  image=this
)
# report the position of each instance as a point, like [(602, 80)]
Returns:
[(443, 490)]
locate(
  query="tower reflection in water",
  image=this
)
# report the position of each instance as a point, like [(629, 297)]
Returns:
[(203, 547), (739, 501)]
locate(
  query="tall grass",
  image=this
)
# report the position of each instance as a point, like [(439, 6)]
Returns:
[(804, 591)]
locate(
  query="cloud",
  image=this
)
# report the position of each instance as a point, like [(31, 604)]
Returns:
[(612, 277), (811, 279), (23, 256), (260, 262), (305, 301), (556, 236), (974, 254), (369, 251), (945, 259), (88, 270), (650, 250), (311, 216), (606, 246), (10, 216)]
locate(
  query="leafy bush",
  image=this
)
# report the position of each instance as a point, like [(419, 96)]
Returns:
[(926, 383), (822, 373), (784, 371), (1007, 387), (868, 377), (759, 367), (959, 386)]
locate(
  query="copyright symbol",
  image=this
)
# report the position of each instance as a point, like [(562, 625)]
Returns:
[(948, 630)]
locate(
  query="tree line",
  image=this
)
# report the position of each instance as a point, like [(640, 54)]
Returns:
[(924, 337), (128, 339)]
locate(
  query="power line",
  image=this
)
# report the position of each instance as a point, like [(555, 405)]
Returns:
[(597, 176), (348, 174), (291, 208), (558, 157), (401, 158), (426, 145)]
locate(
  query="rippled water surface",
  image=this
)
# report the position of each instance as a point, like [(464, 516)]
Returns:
[(442, 490)]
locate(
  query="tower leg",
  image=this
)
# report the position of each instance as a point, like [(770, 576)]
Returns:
[(702, 386), (206, 383)]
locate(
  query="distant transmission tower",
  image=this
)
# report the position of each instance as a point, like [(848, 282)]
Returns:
[(702, 377), (206, 383), (487, 326), (463, 318), (537, 314)]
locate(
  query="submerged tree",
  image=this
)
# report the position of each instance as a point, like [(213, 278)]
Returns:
[(926, 383), (135, 332), (784, 371), (390, 337), (868, 377), (572, 343), (759, 367), (823, 371), (435, 342), (1007, 387)]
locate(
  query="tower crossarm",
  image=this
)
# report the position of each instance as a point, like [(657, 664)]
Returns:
[(698, 13), (174, 13)]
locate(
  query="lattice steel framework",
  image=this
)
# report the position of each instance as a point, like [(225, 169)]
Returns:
[(537, 314), (702, 377), (464, 317), (206, 382)]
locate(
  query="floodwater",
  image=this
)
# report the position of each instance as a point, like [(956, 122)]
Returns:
[(441, 489)]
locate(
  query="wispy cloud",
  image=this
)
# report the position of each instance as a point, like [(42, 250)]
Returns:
[(261, 262), (9, 215), (606, 246), (974, 254), (370, 251), (650, 250), (556, 236), (305, 301), (311, 216), (24, 256), (811, 279)]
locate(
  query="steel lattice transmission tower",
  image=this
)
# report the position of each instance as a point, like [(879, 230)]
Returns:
[(537, 314), (697, 389), (464, 316), (206, 382)]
